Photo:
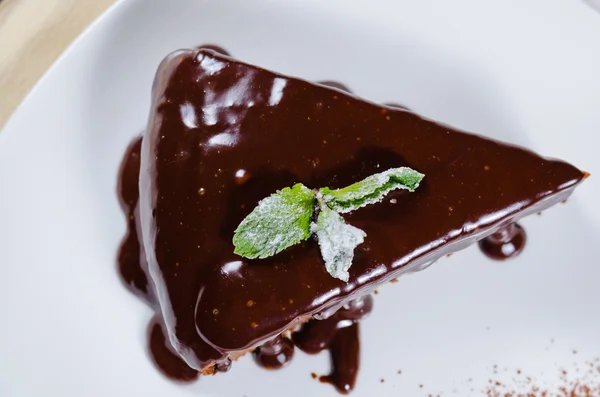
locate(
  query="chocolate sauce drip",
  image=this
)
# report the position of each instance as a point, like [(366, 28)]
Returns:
[(131, 259), (357, 309), (504, 244), (275, 353), (132, 269), (316, 335), (344, 351), (339, 334), (165, 358)]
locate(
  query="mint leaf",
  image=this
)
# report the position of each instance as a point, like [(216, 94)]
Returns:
[(371, 189), (278, 222), (337, 241)]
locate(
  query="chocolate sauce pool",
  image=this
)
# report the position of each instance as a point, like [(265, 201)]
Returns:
[(207, 180)]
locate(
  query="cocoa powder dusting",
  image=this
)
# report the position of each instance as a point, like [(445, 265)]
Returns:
[(585, 382)]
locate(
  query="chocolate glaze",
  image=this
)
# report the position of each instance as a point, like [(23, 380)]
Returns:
[(275, 353), (213, 117), (165, 358), (131, 259), (506, 243), (316, 336), (339, 334), (345, 359), (133, 269)]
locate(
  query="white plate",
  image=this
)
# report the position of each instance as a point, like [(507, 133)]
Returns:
[(525, 71)]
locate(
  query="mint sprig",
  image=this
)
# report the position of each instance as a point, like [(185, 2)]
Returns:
[(285, 218)]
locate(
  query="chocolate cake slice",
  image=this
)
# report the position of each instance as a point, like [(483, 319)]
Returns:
[(223, 135)]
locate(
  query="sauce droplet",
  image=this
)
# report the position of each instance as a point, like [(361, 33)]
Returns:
[(506, 243), (274, 354), (339, 334)]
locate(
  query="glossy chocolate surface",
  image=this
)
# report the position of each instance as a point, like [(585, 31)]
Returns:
[(131, 259), (339, 334), (506, 243), (165, 358), (275, 353), (223, 135), (344, 353)]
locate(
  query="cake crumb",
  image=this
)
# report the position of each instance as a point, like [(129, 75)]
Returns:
[(313, 375)]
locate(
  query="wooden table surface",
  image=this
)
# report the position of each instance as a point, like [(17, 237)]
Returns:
[(33, 33)]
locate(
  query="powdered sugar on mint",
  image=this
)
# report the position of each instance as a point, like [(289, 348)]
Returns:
[(337, 241)]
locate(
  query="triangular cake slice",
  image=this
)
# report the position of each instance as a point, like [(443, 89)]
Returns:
[(224, 134)]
